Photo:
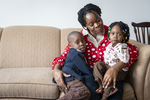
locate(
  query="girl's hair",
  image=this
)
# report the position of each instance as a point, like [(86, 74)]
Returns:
[(86, 9), (123, 27)]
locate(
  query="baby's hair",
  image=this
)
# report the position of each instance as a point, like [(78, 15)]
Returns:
[(123, 27), (86, 9), (72, 33)]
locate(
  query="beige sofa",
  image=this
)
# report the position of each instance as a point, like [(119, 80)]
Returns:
[(26, 53)]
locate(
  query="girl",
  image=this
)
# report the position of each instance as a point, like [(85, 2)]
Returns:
[(117, 50)]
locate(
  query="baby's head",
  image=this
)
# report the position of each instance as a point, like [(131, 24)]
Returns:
[(118, 31), (76, 40)]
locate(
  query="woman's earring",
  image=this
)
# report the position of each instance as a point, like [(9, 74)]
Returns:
[(85, 28)]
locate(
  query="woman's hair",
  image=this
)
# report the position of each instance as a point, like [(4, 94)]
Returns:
[(123, 27), (86, 9)]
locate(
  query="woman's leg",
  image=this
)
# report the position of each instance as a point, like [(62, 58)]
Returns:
[(92, 85)]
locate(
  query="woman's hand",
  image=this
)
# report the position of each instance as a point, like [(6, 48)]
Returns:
[(111, 74), (58, 76)]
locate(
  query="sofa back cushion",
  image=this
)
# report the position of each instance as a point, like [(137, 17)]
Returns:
[(29, 46), (64, 34)]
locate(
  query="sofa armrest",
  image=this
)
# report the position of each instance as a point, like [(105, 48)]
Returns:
[(1, 30), (139, 73)]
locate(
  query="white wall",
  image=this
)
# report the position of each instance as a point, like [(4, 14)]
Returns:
[(63, 13)]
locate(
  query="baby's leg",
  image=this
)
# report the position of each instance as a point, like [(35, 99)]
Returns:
[(100, 89), (98, 72), (76, 90), (110, 90)]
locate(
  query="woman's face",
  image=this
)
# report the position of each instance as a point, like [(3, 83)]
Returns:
[(94, 23)]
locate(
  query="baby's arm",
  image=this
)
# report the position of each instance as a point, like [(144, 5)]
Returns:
[(124, 55)]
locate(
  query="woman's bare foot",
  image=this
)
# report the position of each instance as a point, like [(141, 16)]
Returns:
[(100, 89)]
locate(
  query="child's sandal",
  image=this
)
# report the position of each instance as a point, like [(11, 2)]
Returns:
[(105, 95)]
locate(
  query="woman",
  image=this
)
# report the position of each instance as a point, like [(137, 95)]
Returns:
[(95, 34)]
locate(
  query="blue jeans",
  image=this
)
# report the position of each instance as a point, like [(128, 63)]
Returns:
[(92, 85)]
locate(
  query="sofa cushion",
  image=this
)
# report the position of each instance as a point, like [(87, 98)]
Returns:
[(128, 92), (27, 83), (29, 46)]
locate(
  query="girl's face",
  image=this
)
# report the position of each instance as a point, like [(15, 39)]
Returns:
[(116, 35), (94, 23)]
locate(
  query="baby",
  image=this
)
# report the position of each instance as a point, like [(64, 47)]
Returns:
[(116, 51)]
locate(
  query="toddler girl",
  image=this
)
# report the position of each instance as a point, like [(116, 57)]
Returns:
[(117, 50)]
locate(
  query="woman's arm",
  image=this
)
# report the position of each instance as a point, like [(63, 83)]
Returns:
[(133, 51), (58, 76), (61, 58), (57, 64)]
